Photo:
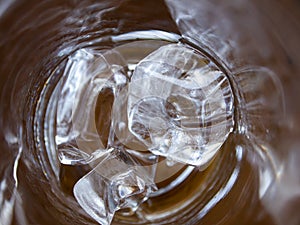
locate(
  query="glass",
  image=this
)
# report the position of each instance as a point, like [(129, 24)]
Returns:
[(76, 88)]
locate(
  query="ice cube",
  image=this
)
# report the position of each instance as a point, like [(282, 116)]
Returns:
[(117, 182), (120, 123), (89, 78), (148, 160), (179, 105)]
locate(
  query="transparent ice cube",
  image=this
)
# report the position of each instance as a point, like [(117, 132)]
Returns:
[(148, 160), (88, 81), (178, 104), (117, 182), (120, 123)]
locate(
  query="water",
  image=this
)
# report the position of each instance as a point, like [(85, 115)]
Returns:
[(80, 94), (87, 114), (184, 108)]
